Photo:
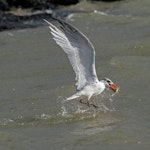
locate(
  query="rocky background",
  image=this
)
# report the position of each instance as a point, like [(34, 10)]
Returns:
[(14, 13)]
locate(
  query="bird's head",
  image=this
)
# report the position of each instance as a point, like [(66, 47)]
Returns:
[(109, 84)]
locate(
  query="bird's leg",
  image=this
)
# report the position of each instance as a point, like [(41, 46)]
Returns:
[(88, 104), (94, 106)]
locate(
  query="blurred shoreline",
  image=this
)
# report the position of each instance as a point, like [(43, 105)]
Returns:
[(17, 14)]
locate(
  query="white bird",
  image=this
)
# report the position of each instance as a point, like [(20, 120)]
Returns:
[(81, 55)]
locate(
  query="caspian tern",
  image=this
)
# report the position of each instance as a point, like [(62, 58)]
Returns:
[(81, 55)]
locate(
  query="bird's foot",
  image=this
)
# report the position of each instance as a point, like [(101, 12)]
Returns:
[(88, 104), (94, 106)]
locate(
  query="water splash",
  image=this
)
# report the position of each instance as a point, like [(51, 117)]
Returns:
[(100, 12), (103, 102), (66, 112)]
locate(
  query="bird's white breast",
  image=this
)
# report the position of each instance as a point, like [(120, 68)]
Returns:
[(93, 89)]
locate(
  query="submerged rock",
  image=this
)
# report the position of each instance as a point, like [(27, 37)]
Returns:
[(39, 3), (3, 6), (10, 21), (11, 16)]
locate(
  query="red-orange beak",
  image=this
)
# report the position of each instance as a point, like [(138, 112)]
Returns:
[(114, 87)]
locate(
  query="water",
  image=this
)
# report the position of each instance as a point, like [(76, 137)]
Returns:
[(35, 77)]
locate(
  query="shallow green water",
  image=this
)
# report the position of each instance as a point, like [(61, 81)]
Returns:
[(35, 77)]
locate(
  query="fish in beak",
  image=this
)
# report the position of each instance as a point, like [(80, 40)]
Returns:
[(114, 87)]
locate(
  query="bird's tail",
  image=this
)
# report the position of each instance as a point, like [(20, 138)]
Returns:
[(74, 96)]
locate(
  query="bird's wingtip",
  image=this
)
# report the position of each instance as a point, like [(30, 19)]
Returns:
[(46, 21), (49, 24)]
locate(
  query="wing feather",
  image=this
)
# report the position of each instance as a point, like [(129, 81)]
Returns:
[(79, 50)]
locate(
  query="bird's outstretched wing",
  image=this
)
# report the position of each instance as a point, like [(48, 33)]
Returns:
[(78, 49)]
